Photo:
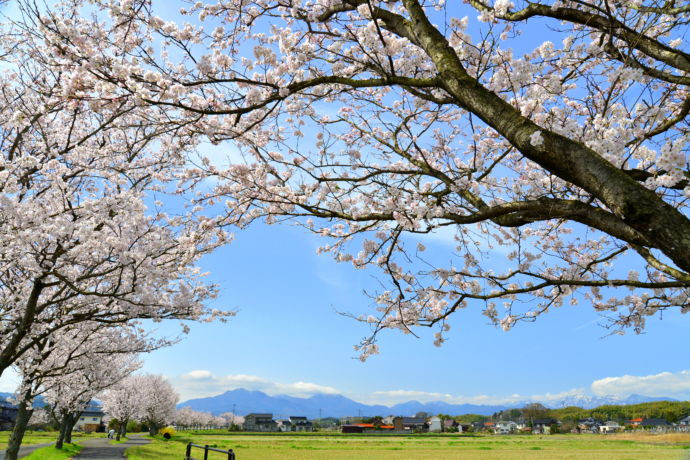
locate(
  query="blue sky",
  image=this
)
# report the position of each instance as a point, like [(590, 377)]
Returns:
[(287, 331), (288, 338)]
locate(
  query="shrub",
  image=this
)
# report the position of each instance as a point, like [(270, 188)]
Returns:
[(167, 432)]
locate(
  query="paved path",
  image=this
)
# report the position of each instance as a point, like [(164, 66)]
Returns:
[(26, 450), (99, 449)]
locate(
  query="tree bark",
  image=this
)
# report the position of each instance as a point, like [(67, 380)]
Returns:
[(20, 424), (62, 434), (122, 429), (10, 349), (71, 421)]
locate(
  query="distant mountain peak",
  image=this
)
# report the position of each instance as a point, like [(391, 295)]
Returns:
[(336, 405)]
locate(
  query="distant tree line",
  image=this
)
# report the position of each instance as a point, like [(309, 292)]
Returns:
[(672, 411)]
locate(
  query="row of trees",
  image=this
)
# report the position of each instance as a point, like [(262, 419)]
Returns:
[(671, 411)]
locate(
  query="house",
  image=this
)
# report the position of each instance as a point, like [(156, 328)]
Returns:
[(410, 424), (655, 424), (8, 414), (91, 419), (284, 425), (299, 423), (684, 421), (589, 425), (452, 425), (260, 422), (636, 421), (351, 428), (610, 427), (542, 425), (505, 427), (435, 424)]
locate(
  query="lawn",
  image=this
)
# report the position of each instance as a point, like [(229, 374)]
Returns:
[(51, 453), (42, 437), (353, 447)]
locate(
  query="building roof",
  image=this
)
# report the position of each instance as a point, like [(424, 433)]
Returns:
[(259, 415), (654, 422), (412, 420), (543, 421)]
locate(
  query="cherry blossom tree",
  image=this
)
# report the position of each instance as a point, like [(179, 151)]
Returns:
[(231, 420), (69, 367), (122, 402), (71, 394), (375, 123), (84, 237), (190, 418), (158, 401)]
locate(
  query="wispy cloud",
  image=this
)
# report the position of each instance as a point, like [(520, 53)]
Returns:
[(201, 383), (663, 384)]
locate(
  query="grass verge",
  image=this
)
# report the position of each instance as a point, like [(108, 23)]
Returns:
[(51, 453), (289, 447)]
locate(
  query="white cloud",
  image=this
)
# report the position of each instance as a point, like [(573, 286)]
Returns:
[(198, 375), (663, 384), (203, 383), (392, 397)]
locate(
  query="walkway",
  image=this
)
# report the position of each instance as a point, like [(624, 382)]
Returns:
[(99, 449)]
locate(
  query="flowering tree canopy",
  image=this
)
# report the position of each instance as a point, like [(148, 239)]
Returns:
[(158, 401), (83, 236), (370, 121), (148, 398)]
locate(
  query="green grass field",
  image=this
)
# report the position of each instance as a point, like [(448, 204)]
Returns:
[(353, 447)]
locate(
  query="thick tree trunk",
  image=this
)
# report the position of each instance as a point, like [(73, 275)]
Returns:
[(122, 429), (64, 427), (153, 429), (71, 421), (20, 424)]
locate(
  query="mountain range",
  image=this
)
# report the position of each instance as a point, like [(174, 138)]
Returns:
[(243, 402)]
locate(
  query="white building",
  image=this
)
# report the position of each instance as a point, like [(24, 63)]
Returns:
[(435, 425)]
